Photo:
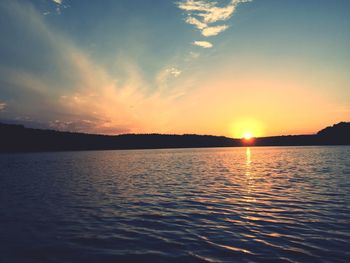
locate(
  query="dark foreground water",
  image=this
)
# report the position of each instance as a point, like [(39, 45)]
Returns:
[(186, 205)]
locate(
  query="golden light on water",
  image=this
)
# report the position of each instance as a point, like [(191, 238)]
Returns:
[(248, 160)]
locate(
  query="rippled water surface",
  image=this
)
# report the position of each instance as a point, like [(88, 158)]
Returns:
[(287, 204)]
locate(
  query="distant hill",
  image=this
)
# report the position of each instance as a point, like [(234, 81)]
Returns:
[(17, 138), (336, 134)]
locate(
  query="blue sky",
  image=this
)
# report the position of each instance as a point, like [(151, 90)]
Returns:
[(184, 66)]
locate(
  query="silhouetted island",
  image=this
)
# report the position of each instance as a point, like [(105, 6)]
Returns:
[(17, 138)]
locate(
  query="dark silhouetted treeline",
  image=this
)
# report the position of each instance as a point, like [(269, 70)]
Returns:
[(17, 138)]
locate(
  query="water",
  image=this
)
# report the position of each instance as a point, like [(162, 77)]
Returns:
[(287, 204)]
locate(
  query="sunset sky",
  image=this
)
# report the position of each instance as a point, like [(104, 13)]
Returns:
[(267, 67)]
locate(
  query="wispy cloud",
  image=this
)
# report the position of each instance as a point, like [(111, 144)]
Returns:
[(203, 44), (76, 93), (60, 4), (203, 13), (194, 21), (214, 30), (209, 11), (2, 105), (194, 55), (174, 71), (165, 75)]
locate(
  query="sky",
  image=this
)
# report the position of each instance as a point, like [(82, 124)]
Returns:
[(225, 67)]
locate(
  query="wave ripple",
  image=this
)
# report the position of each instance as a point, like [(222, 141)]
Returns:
[(286, 204)]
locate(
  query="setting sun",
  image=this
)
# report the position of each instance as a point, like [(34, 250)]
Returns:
[(246, 128), (247, 135)]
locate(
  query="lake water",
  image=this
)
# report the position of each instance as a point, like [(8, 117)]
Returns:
[(282, 204)]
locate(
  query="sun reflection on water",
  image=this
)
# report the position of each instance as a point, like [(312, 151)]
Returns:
[(249, 177), (248, 155), (248, 163)]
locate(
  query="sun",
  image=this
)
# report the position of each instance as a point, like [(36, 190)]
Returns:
[(246, 129), (247, 135)]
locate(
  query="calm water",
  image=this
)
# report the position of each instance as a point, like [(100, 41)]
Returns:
[(185, 205)]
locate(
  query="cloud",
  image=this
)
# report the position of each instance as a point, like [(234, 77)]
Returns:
[(203, 13), (76, 92), (59, 7), (203, 44), (194, 55), (214, 14), (86, 125), (174, 71), (165, 75), (194, 21), (214, 30), (2, 105)]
